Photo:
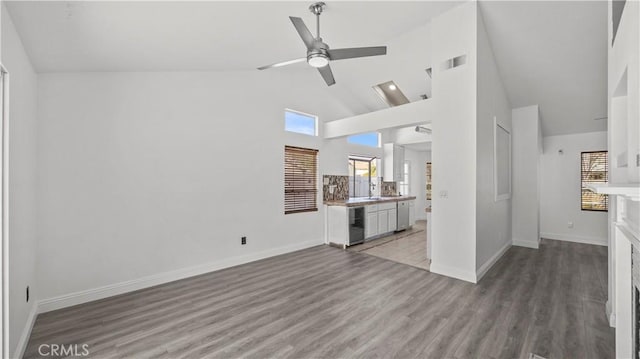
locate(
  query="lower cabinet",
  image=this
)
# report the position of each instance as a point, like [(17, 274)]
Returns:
[(381, 219), (383, 222), (371, 224)]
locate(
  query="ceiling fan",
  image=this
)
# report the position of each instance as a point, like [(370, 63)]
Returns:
[(318, 53)]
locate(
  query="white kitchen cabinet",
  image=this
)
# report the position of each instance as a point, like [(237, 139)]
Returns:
[(371, 224), (393, 164), (393, 219), (383, 221), (337, 225), (387, 217)]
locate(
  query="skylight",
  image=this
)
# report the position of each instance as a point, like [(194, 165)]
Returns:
[(391, 94)]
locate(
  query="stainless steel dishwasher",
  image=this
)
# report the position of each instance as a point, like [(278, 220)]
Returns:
[(403, 215)]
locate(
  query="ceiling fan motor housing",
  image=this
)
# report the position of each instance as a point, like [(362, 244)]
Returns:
[(318, 56)]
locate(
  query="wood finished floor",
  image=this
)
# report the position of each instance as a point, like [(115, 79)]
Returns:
[(324, 302), (407, 247)]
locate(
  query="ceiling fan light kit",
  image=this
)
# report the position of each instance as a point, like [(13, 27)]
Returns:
[(318, 53), (317, 60)]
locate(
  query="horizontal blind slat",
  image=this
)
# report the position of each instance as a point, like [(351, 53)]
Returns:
[(594, 168), (300, 185)]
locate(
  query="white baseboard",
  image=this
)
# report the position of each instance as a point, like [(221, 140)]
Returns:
[(452, 272), (528, 244), (576, 239), (89, 295), (491, 261), (26, 332)]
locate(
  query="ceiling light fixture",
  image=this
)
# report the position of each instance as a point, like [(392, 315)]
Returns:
[(318, 60), (392, 87)]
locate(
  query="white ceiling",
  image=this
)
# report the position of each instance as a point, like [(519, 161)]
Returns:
[(554, 54), (169, 36), (548, 53)]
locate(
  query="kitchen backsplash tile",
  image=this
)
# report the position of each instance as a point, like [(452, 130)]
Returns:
[(340, 191), (388, 189)]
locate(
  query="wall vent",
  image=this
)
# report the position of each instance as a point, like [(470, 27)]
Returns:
[(454, 62)]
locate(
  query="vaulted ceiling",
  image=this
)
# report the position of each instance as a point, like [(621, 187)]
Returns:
[(553, 54), (187, 36), (548, 53)]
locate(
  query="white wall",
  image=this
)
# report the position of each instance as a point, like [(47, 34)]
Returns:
[(493, 218), (560, 190), (22, 183), (454, 124), (527, 149), (147, 173), (336, 152), (418, 179), (624, 141)]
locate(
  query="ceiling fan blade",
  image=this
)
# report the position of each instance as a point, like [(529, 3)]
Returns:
[(327, 75), (284, 63), (303, 31), (353, 52)]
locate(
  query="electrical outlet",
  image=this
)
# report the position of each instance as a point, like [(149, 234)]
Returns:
[(243, 241), (569, 224), (27, 294), (444, 194)]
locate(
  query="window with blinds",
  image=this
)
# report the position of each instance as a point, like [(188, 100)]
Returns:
[(428, 181), (300, 176), (594, 169)]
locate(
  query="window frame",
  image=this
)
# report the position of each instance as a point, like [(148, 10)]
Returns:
[(429, 186), (582, 181), (290, 188), (315, 121), (406, 165), (378, 134), (369, 160)]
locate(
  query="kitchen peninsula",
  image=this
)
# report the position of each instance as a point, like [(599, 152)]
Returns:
[(355, 220)]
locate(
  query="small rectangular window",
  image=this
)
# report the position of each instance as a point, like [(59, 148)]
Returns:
[(300, 178), (403, 187), (299, 122), (371, 139), (594, 168)]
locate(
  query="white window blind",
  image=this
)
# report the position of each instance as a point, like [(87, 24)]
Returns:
[(300, 177)]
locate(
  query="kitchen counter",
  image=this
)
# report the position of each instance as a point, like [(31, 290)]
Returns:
[(356, 202)]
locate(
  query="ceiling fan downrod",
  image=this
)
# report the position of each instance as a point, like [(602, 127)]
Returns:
[(316, 9)]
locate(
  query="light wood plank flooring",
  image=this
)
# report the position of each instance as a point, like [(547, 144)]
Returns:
[(325, 302), (407, 247)]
